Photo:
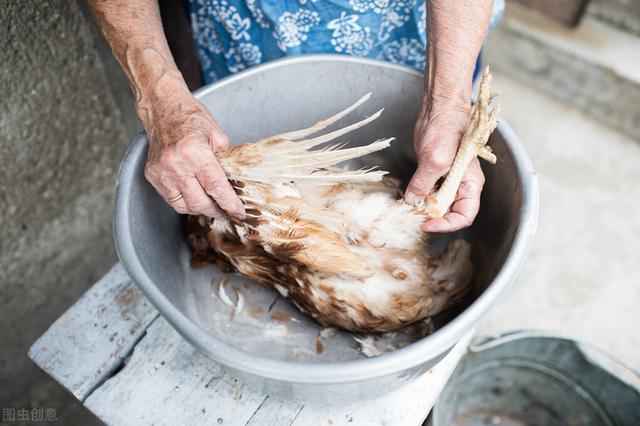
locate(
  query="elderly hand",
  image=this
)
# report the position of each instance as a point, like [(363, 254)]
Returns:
[(183, 136), (182, 165), (436, 138), (455, 33)]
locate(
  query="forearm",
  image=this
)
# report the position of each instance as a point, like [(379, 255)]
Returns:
[(134, 32), (183, 136), (456, 30)]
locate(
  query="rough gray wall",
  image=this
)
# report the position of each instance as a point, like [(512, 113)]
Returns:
[(66, 119), (624, 14)]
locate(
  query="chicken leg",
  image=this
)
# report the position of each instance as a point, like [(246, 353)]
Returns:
[(482, 122)]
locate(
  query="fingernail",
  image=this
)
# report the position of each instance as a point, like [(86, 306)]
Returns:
[(411, 198)]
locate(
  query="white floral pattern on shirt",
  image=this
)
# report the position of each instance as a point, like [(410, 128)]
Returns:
[(206, 64), (405, 51), (232, 35), (257, 14), (363, 6), (293, 27), (205, 32), (241, 56), (422, 20), (395, 16), (236, 26), (349, 37)]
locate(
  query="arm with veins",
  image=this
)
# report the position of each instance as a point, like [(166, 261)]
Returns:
[(183, 136)]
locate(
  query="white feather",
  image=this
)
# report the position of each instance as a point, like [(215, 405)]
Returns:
[(223, 294), (299, 134)]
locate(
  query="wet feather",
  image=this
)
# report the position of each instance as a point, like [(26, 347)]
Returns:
[(340, 244)]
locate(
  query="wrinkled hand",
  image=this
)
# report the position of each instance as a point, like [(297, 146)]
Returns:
[(183, 139), (436, 139)]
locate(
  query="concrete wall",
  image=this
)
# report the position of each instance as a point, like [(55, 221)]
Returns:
[(593, 67), (624, 14), (66, 118)]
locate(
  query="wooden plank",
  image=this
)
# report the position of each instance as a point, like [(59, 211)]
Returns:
[(129, 366), (408, 405), (91, 338), (274, 411), (167, 382)]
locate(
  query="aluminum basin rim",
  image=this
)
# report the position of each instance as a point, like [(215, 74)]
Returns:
[(346, 371)]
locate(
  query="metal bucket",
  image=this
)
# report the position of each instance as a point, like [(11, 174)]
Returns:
[(283, 358), (539, 379)]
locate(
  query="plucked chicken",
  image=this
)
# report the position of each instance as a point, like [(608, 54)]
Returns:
[(341, 244)]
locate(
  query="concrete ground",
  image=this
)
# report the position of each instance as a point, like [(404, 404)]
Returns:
[(583, 274)]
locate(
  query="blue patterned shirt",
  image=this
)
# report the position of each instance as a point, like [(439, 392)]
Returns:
[(232, 35)]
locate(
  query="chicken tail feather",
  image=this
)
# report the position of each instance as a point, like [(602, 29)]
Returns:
[(303, 133), (290, 158)]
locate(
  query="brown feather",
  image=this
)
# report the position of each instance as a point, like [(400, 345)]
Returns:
[(340, 244)]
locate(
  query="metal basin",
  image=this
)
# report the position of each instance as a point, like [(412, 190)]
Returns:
[(536, 378), (282, 357)]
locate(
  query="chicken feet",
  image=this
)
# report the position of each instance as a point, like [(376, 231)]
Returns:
[(482, 122)]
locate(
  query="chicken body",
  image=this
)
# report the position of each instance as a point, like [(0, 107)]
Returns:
[(340, 244), (355, 258)]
